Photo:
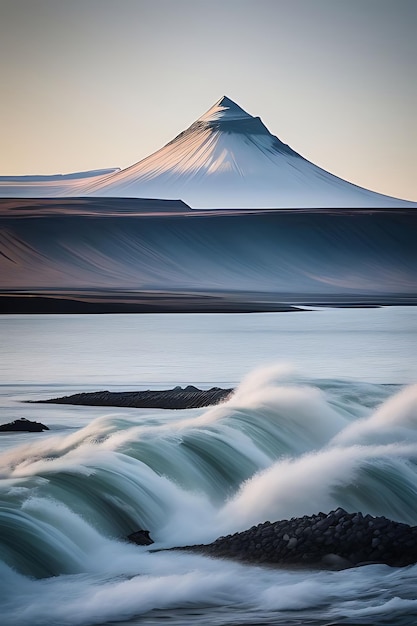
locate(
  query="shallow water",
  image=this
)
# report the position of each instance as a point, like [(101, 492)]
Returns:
[(324, 415)]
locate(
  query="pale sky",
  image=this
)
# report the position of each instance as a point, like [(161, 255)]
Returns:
[(87, 84)]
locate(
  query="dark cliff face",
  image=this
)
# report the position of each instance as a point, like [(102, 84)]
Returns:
[(336, 540)]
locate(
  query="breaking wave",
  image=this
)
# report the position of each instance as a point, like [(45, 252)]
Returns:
[(282, 446)]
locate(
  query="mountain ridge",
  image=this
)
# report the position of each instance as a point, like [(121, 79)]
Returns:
[(226, 159)]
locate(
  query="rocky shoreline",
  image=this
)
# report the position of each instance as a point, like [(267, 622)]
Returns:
[(178, 398), (336, 540)]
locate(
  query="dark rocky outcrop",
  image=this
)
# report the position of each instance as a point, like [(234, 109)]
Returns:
[(23, 425), (178, 398), (335, 541), (141, 538)]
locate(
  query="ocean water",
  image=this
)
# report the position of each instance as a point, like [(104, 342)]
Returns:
[(324, 415)]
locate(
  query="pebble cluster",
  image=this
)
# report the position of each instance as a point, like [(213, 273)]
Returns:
[(334, 540)]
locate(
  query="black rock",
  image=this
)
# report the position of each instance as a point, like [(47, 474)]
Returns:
[(320, 541), (23, 425), (141, 538), (177, 398)]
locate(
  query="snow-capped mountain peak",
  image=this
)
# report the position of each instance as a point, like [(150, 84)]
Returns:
[(224, 110), (227, 159)]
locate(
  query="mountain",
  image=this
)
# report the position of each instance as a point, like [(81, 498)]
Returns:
[(229, 159), (226, 159), (52, 186)]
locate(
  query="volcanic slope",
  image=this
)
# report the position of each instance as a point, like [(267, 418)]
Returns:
[(53, 186), (229, 159)]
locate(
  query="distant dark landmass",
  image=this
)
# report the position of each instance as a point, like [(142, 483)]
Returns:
[(116, 302), (127, 255), (178, 398), (100, 207)]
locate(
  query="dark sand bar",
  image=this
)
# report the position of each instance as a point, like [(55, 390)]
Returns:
[(142, 302)]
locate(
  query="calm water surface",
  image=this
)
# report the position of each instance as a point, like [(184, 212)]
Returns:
[(377, 345)]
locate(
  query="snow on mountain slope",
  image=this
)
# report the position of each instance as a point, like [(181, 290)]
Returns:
[(49, 186), (229, 159), (226, 159)]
